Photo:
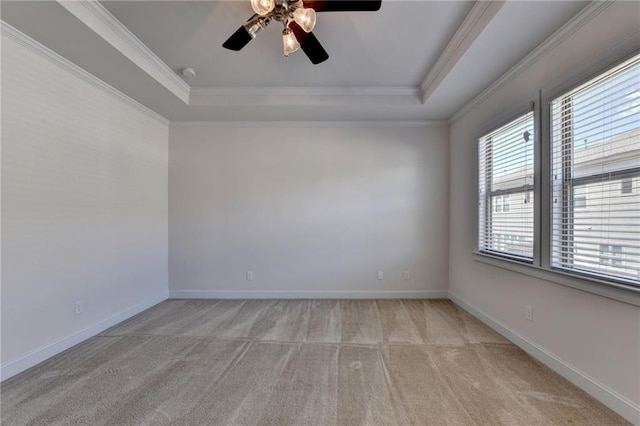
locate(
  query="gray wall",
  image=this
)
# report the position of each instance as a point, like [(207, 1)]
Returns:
[(84, 208), (310, 210), (597, 336)]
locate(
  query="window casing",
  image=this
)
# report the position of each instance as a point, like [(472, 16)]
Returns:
[(505, 183), (595, 153), (566, 192)]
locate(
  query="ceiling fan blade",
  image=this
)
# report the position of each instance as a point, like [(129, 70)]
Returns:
[(238, 40), (309, 44), (343, 5)]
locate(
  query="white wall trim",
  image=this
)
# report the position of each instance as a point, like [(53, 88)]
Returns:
[(204, 294), (15, 366), (310, 124), (10, 32), (601, 287), (95, 16), (574, 24), (307, 91), (618, 403), (304, 96), (474, 23)]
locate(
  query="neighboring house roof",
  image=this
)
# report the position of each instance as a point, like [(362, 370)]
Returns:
[(619, 152)]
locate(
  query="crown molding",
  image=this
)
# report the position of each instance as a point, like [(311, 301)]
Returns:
[(311, 124), (102, 22), (474, 23), (574, 24), (283, 96), (13, 34), (307, 91)]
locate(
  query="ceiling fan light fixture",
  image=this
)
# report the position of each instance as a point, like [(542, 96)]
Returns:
[(299, 22), (306, 18), (263, 7), (290, 42)]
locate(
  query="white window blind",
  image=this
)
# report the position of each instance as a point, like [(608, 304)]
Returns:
[(505, 182), (595, 138)]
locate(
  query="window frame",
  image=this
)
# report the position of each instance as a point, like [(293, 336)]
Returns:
[(542, 190), (548, 95), (502, 120)]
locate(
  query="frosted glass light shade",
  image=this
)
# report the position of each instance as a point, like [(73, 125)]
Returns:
[(263, 7), (255, 26), (306, 18), (290, 42)]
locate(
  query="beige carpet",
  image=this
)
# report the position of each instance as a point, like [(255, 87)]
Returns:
[(298, 362)]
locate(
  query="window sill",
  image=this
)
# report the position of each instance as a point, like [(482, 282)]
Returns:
[(603, 288)]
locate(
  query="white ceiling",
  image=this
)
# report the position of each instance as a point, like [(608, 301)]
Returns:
[(394, 46), (412, 60)]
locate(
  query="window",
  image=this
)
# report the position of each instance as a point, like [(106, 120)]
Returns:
[(497, 203), (610, 255), (595, 154), (505, 208), (565, 204), (580, 196)]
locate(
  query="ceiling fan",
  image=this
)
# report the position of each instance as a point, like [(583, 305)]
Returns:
[(299, 19)]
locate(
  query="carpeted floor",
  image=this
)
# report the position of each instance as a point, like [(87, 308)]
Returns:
[(298, 362)]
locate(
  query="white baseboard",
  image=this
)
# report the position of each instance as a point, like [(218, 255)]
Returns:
[(618, 403), (19, 365), (200, 294)]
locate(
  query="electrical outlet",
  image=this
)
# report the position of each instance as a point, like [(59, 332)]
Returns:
[(380, 275), (528, 312), (79, 307), (406, 275), (249, 275)]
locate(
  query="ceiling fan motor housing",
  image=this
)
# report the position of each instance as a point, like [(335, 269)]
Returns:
[(283, 9)]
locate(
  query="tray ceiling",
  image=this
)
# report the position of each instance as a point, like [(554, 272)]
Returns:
[(410, 61)]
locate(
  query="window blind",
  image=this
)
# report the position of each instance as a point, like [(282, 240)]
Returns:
[(505, 190), (595, 140)]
